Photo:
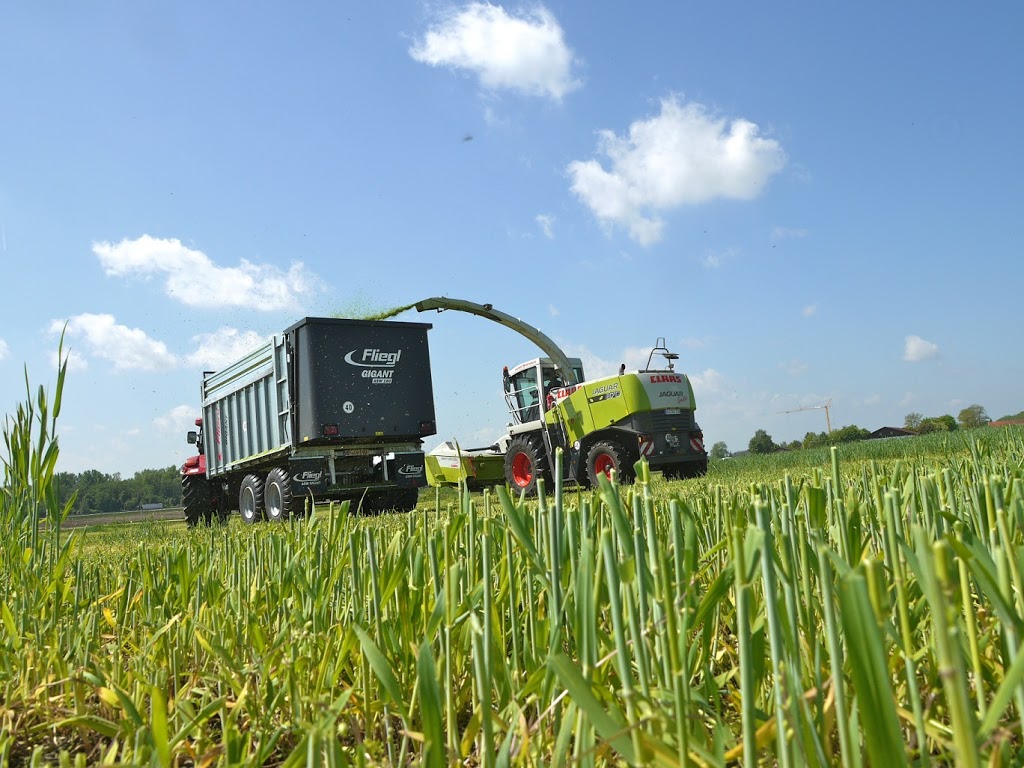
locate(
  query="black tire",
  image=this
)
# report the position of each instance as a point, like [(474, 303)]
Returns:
[(525, 463), (605, 456), (196, 500), (277, 495), (250, 499)]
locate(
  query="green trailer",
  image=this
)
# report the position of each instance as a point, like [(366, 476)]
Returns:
[(449, 465)]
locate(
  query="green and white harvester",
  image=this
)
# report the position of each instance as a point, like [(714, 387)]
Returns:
[(602, 425)]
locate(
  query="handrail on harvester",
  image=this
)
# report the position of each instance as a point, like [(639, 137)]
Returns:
[(552, 350)]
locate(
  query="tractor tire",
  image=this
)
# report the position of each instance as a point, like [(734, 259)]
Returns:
[(277, 495), (196, 500), (250, 499), (525, 463), (605, 456)]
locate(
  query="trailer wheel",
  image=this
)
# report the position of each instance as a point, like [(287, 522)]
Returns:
[(196, 500), (525, 463), (605, 456), (250, 499), (278, 495)]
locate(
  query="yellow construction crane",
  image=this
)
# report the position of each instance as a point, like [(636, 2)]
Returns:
[(824, 406)]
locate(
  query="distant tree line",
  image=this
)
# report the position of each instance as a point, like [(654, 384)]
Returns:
[(99, 492), (969, 418)]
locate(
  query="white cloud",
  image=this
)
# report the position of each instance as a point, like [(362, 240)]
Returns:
[(692, 342), (715, 259), (525, 53), (74, 360), (127, 348), (547, 223), (916, 349), (553, 310), (708, 383), (222, 347), (783, 233), (682, 156), (874, 399), (177, 421), (810, 310), (4, 349), (594, 367), (907, 399), (195, 280)]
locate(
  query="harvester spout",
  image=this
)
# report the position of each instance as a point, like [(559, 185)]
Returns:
[(552, 350)]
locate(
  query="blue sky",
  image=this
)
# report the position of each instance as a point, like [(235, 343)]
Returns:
[(810, 203)]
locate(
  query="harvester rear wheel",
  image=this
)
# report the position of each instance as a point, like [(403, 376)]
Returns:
[(525, 463), (605, 456), (250, 499), (278, 495), (196, 500)]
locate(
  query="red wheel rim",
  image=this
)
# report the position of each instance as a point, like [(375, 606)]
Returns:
[(522, 469), (603, 465)]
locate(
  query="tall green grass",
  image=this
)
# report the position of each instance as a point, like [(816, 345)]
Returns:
[(844, 610)]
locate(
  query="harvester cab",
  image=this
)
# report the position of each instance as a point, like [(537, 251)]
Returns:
[(530, 387)]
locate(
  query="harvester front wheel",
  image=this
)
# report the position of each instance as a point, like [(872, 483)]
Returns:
[(525, 463), (605, 456), (196, 500), (250, 499), (278, 495)]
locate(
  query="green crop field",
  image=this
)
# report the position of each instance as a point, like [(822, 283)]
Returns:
[(843, 608)]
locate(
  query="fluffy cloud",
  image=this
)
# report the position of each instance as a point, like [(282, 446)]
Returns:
[(916, 349), (709, 382), (74, 360), (194, 279), (4, 349), (177, 421), (714, 259), (127, 348), (546, 222), (810, 310), (682, 156), (525, 53), (223, 346)]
